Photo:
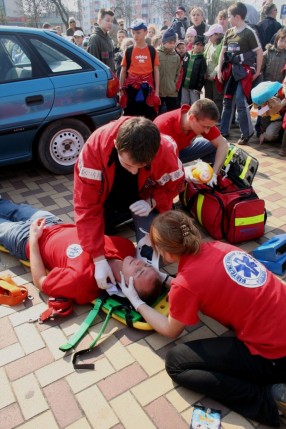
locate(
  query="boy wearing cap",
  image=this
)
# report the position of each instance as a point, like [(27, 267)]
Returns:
[(78, 38), (180, 23), (169, 70), (195, 68), (139, 76), (211, 53), (100, 45)]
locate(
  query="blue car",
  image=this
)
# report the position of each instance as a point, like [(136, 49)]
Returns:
[(53, 95)]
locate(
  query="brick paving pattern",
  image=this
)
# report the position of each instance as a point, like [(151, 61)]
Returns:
[(129, 387)]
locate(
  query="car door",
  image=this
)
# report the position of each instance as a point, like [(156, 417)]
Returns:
[(80, 80), (26, 98)]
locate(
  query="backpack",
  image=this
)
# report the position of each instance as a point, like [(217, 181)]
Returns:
[(226, 211), (129, 51)]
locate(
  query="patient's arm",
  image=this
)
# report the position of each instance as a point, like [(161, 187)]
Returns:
[(38, 269)]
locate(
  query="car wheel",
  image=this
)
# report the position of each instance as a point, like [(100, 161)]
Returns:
[(60, 145)]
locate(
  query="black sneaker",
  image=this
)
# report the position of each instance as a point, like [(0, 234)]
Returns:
[(244, 140), (226, 136), (278, 392)]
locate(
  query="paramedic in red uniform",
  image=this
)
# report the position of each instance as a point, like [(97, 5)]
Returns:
[(42, 238), (125, 169), (246, 372), (186, 123)]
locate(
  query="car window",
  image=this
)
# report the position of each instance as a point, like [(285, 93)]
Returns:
[(57, 61), (15, 61)]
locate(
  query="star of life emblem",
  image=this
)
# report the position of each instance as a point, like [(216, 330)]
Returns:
[(73, 251), (244, 269)]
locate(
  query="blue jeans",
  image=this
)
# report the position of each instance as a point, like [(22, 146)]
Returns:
[(200, 148), (15, 221), (244, 119)]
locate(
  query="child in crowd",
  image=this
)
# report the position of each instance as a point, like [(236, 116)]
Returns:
[(274, 59), (182, 52), (190, 37), (222, 19), (100, 45), (127, 41), (211, 53), (156, 41), (244, 371), (180, 23), (121, 34), (239, 39), (139, 76), (151, 31), (197, 19), (169, 70), (195, 67)]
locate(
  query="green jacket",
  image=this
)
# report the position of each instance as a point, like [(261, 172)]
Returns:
[(211, 54), (169, 72)]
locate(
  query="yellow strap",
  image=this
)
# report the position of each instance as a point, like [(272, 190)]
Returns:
[(199, 207), (239, 221), (245, 168), (229, 156), (12, 288)]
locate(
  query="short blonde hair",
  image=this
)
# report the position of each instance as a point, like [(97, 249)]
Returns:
[(197, 9), (152, 27), (174, 232)]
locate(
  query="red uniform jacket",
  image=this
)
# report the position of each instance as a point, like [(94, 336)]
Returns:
[(94, 176)]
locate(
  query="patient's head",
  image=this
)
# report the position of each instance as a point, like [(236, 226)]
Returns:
[(147, 280)]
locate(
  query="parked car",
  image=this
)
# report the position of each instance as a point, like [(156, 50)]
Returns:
[(52, 96)]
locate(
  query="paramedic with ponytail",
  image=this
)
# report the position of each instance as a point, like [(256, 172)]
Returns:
[(245, 372)]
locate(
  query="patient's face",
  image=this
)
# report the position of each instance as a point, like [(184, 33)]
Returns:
[(142, 273)]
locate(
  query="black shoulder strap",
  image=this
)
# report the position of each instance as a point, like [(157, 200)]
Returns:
[(152, 51), (128, 54)]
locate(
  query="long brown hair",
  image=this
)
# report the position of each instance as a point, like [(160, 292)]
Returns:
[(175, 233)]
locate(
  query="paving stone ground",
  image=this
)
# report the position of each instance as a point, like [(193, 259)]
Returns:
[(129, 387)]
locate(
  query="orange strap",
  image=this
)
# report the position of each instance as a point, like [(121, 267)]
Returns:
[(10, 293)]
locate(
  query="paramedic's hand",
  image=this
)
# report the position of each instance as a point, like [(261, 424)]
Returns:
[(36, 229), (103, 272), (142, 207), (213, 180), (189, 176), (130, 292)]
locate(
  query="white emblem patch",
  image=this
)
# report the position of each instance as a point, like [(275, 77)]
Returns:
[(244, 269), (74, 250)]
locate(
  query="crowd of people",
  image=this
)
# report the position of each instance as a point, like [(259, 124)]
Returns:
[(162, 69), (133, 168)]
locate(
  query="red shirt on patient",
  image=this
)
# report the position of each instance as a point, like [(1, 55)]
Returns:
[(73, 276)]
